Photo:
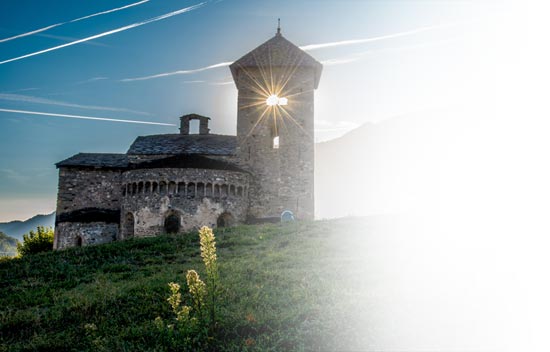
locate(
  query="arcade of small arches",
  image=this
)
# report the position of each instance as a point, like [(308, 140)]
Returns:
[(186, 189)]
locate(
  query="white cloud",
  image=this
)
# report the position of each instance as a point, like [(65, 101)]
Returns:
[(104, 34)]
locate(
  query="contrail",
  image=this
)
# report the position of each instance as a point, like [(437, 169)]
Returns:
[(37, 100), (76, 20), (181, 72), (104, 34), (85, 117), (109, 11), (372, 39)]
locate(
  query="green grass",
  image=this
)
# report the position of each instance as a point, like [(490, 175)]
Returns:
[(278, 292)]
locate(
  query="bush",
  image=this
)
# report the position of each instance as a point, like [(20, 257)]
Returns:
[(36, 242)]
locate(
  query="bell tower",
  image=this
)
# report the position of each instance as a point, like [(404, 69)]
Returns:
[(275, 137)]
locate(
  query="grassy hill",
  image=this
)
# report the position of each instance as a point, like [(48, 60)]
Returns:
[(283, 289)]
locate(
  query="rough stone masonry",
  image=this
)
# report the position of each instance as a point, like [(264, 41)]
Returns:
[(173, 183)]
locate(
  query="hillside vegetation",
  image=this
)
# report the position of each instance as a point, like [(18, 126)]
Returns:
[(282, 289), (17, 229), (8, 245)]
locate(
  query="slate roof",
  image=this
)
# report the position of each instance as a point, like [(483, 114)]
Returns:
[(187, 161), (277, 51), (121, 162), (99, 160), (173, 144)]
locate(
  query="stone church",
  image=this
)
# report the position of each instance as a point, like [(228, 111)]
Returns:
[(171, 183)]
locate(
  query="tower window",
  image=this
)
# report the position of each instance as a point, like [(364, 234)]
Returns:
[(276, 142)]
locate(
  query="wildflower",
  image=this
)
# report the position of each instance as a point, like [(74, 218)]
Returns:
[(208, 251), (175, 296), (159, 323), (183, 314), (197, 288)]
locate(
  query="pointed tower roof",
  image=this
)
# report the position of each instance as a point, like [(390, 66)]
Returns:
[(277, 52)]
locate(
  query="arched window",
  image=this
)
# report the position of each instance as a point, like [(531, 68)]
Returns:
[(224, 192), (181, 187), (134, 188), (124, 190), (240, 191), (162, 187), (191, 190), (232, 191), (140, 187), (200, 190), (225, 220), (78, 241), (172, 188), (147, 187), (216, 191), (129, 223), (208, 190), (275, 142), (155, 187), (172, 223)]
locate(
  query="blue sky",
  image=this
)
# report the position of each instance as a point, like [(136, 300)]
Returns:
[(362, 81)]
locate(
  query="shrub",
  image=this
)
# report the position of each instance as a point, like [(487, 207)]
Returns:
[(36, 242)]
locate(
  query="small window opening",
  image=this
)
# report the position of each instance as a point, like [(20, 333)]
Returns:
[(276, 142), (194, 126)]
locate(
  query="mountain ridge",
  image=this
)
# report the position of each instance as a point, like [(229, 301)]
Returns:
[(17, 228)]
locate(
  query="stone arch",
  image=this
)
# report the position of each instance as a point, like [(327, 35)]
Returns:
[(208, 190), (79, 241), (216, 191), (240, 191), (124, 190), (225, 219), (224, 191), (162, 187), (134, 188), (147, 187), (200, 189), (171, 187), (232, 191), (129, 225), (140, 187), (191, 190), (155, 187), (181, 187), (172, 222)]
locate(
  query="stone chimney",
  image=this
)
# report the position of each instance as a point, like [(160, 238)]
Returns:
[(203, 123)]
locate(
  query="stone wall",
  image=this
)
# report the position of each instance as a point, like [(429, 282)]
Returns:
[(83, 234), (88, 188), (284, 176), (86, 201), (195, 197)]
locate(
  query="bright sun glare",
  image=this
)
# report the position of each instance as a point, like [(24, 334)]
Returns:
[(273, 100)]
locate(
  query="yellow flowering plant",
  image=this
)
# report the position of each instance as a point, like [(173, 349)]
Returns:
[(203, 294)]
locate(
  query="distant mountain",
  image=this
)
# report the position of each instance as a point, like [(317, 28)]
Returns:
[(18, 228)]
